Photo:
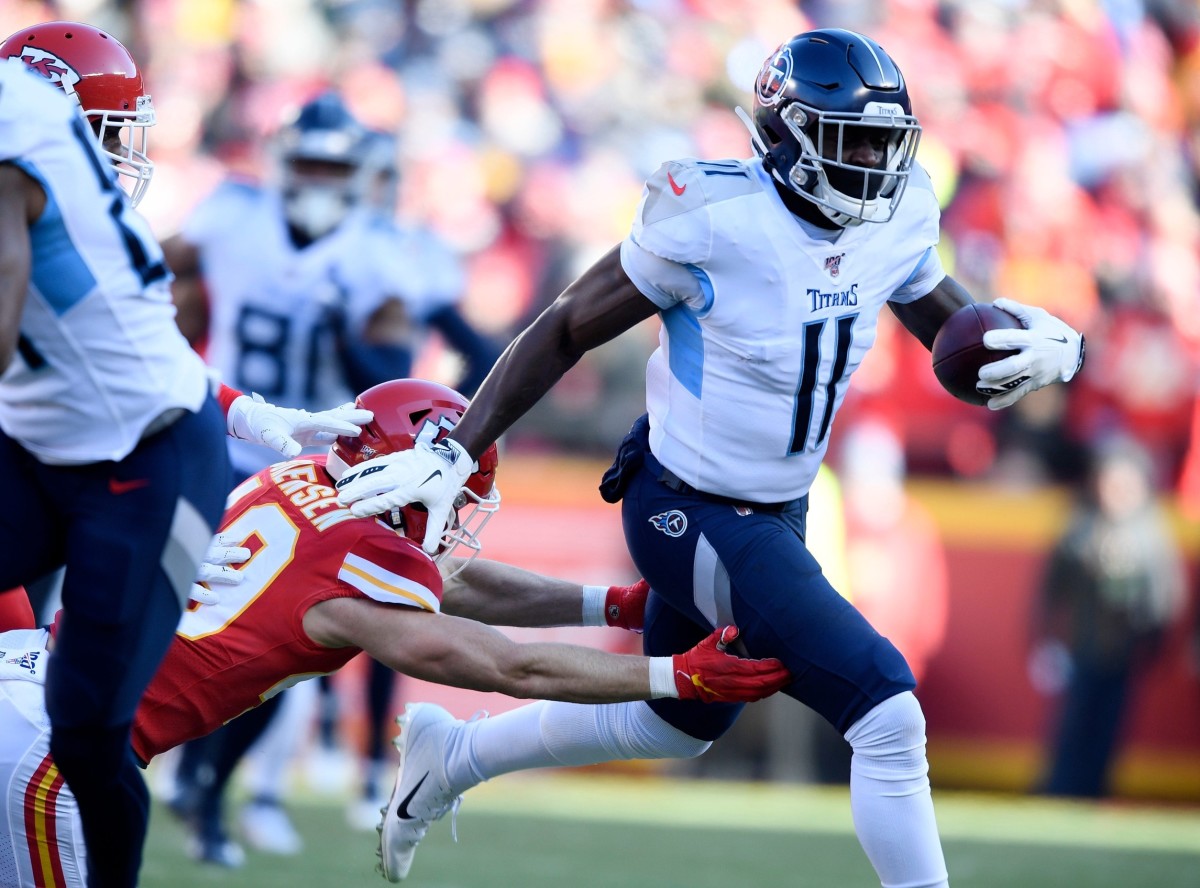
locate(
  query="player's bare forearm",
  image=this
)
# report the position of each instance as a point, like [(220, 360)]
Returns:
[(600, 305), (924, 317), (503, 595), (19, 207), (465, 654), (541, 671)]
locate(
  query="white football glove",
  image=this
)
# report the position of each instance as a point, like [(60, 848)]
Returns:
[(289, 430), (431, 475), (1049, 351), (215, 569)]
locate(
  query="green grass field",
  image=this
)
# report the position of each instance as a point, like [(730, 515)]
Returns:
[(606, 830)]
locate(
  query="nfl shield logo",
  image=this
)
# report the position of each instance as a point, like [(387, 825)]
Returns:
[(833, 264)]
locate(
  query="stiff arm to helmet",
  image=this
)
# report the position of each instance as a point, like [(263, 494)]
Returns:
[(412, 418)]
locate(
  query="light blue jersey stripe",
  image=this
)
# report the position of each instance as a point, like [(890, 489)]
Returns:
[(686, 347), (58, 271)]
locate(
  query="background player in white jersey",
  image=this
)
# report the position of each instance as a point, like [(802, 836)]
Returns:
[(768, 275), (319, 587), (306, 290), (111, 441)]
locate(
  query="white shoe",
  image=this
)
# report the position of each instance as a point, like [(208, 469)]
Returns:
[(421, 794), (267, 827)]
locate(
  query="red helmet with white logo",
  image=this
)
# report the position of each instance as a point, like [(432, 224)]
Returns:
[(407, 411), (100, 75)]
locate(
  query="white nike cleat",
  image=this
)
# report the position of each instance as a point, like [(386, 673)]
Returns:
[(421, 794)]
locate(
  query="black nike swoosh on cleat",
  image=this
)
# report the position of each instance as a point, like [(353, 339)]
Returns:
[(402, 811), (1061, 339)]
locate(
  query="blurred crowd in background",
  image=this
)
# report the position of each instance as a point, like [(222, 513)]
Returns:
[(1062, 136)]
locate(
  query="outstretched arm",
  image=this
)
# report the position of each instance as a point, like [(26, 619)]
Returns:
[(501, 594), (600, 305), (597, 307), (462, 653)]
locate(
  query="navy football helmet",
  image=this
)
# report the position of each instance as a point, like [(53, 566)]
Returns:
[(817, 96), (323, 154)]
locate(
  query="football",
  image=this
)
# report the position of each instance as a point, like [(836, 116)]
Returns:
[(959, 352)]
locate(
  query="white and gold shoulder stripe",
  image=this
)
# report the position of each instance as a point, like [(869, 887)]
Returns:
[(383, 585)]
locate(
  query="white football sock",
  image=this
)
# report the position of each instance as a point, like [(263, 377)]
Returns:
[(556, 735), (890, 798)]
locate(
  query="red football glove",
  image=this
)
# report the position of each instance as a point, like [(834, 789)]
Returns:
[(625, 606), (708, 673)]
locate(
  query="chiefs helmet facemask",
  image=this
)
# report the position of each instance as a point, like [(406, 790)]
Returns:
[(817, 94), (95, 70), (407, 411)]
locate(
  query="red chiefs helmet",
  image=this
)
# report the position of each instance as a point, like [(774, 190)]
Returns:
[(411, 410), (100, 75)]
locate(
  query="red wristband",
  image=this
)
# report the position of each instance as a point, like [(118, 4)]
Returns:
[(226, 396)]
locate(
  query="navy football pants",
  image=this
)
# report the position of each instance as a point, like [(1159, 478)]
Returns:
[(710, 563), (131, 535)]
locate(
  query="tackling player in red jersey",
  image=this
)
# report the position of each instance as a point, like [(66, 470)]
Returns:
[(319, 587)]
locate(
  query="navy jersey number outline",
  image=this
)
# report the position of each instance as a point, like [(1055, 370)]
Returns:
[(271, 343), (135, 246), (806, 390), (807, 387)]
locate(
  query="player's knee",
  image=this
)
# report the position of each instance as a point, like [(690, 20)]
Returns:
[(894, 727), (661, 739)]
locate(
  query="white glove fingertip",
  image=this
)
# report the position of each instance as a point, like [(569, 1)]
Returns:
[(365, 508), (1014, 308), (203, 596), (1003, 340), (1007, 399), (289, 447), (227, 576)]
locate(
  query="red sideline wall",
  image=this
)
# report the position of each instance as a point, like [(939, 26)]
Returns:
[(986, 723)]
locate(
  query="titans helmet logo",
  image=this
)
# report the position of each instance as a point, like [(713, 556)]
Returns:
[(50, 66), (776, 72)]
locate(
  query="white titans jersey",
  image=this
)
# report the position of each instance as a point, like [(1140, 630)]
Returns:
[(99, 355), (756, 349), (277, 311)]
